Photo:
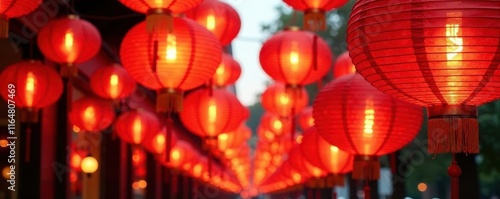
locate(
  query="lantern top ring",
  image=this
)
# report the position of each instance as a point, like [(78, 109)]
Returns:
[(292, 28), (72, 16), (314, 10), (365, 158), (159, 11), (452, 110), (170, 90)]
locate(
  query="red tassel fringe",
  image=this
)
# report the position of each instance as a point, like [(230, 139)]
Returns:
[(366, 167), (453, 134)]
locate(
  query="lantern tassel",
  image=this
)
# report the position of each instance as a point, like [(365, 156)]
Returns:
[(318, 194), (454, 171), (175, 186), (335, 180), (314, 20), (334, 194), (159, 21), (4, 28), (292, 125), (69, 70), (169, 100), (168, 147), (366, 167), (392, 159), (367, 190), (453, 129)]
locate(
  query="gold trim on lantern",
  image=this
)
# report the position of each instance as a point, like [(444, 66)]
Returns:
[(73, 16), (169, 100), (366, 167), (292, 28), (315, 20), (159, 21)]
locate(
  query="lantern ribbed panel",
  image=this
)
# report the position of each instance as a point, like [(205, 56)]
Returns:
[(209, 116), (112, 82), (439, 54), (295, 57), (343, 65), (296, 160), (280, 100), (143, 6), (306, 119), (218, 17), (47, 84), (187, 60), (323, 5), (359, 119), (414, 57), (135, 126), (17, 8), (69, 40), (92, 114), (228, 71)]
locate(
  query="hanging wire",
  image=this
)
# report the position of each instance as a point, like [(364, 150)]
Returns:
[(293, 20)]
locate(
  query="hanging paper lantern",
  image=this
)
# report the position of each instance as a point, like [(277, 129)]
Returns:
[(227, 73), (159, 13), (306, 119), (343, 65), (218, 17), (181, 153), (233, 139), (295, 57), (359, 119), (89, 165), (12, 9), (278, 100), (275, 124), (92, 114), (210, 115), (315, 11), (31, 85), (112, 82), (157, 142), (445, 60), (136, 126), (69, 41), (171, 62)]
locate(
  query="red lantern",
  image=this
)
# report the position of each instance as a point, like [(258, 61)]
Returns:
[(295, 57), (233, 139), (445, 60), (159, 13), (359, 119), (343, 65), (69, 40), (275, 124), (12, 9), (157, 143), (306, 119), (227, 73), (185, 59), (218, 17), (112, 82), (315, 11), (278, 100), (92, 114), (136, 126), (30, 85), (210, 115)]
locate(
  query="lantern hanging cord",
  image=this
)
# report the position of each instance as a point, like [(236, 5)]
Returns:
[(28, 143)]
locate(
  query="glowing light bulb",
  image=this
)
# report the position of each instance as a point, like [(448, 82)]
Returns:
[(137, 130), (171, 50), (113, 85), (210, 22), (30, 89), (369, 118)]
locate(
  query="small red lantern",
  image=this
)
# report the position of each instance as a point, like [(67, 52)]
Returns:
[(157, 143), (295, 57), (136, 126), (359, 119), (159, 13), (445, 60), (227, 73), (218, 17), (306, 119), (210, 115), (30, 85), (171, 62), (343, 65), (112, 82), (278, 100), (12, 9), (92, 114), (315, 11), (68, 41), (275, 124), (233, 139)]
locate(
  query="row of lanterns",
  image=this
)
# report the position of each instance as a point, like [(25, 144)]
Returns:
[(161, 58)]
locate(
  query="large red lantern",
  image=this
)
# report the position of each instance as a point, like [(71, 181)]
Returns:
[(343, 65), (209, 113), (92, 114), (314, 11), (445, 60), (69, 41), (295, 57), (278, 100), (227, 73), (112, 82), (159, 12), (157, 142), (359, 119), (30, 85), (136, 126), (218, 17), (171, 62), (12, 9)]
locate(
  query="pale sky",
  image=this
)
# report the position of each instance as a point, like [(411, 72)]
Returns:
[(246, 46)]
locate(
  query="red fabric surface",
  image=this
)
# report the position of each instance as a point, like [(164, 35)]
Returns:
[(279, 100), (227, 73), (174, 6), (323, 5), (112, 82), (343, 65), (92, 114), (17, 8), (135, 126)]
